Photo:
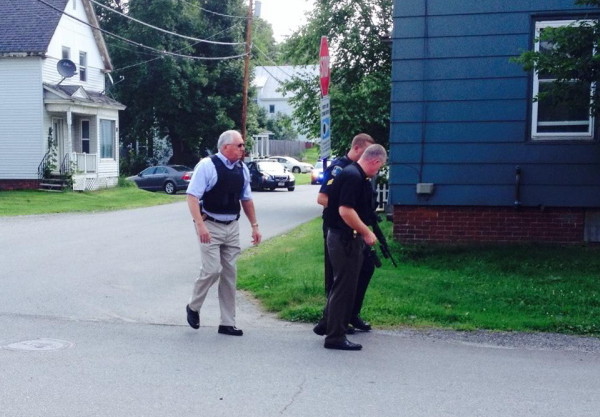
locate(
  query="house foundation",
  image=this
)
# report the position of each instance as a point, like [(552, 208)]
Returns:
[(11, 185), (453, 224)]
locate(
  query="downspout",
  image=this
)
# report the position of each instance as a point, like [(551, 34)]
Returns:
[(69, 144), (424, 104)]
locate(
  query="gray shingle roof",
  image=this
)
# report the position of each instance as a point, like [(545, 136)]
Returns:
[(27, 26)]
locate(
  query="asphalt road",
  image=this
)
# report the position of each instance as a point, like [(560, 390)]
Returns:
[(93, 324)]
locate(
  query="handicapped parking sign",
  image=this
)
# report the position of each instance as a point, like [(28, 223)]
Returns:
[(326, 128)]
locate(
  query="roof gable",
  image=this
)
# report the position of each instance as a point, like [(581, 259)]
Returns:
[(27, 27), (78, 95)]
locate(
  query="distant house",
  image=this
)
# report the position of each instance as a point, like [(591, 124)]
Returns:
[(268, 81), (41, 99), (473, 157)]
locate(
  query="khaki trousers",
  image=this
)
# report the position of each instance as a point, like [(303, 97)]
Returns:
[(219, 263)]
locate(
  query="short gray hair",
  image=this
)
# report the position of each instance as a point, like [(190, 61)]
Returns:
[(374, 151), (226, 138)]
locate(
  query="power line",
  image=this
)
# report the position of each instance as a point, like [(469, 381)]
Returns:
[(158, 57), (271, 59), (215, 13), (164, 30), (167, 53)]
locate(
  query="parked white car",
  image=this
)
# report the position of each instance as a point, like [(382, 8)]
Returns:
[(293, 164)]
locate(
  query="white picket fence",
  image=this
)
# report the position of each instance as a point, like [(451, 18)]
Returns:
[(382, 191)]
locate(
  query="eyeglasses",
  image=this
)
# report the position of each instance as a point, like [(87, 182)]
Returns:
[(239, 145)]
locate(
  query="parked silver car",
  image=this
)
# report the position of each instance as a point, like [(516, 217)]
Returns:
[(292, 164)]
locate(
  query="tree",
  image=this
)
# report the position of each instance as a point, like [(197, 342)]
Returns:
[(570, 58), (264, 49), (357, 32), (281, 125), (191, 101)]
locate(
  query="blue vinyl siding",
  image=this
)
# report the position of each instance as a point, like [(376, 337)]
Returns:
[(460, 109)]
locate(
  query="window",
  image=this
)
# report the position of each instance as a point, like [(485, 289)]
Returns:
[(66, 52), (85, 136), (83, 66), (567, 117), (107, 139), (272, 108), (148, 171)]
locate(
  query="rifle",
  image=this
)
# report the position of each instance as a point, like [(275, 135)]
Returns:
[(383, 246)]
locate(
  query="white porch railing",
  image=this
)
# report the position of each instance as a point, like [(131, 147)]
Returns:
[(84, 162), (382, 191)]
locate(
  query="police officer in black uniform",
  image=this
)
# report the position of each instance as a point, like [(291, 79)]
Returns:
[(359, 143), (348, 214)]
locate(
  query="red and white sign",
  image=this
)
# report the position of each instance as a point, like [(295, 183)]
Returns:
[(324, 66)]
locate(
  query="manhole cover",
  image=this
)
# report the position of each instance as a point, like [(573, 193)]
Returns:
[(39, 345)]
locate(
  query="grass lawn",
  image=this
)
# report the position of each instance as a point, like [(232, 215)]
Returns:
[(14, 203), (511, 288)]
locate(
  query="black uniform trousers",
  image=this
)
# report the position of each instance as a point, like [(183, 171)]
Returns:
[(364, 278), (346, 253)]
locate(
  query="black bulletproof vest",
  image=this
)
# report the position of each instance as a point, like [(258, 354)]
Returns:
[(224, 197)]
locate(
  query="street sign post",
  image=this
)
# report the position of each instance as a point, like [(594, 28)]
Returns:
[(325, 106)]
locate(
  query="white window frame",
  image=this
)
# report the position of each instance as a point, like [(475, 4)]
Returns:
[(108, 138), (82, 66), (535, 135), (85, 139)]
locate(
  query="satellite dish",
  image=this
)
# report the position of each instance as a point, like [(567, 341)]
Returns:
[(66, 68)]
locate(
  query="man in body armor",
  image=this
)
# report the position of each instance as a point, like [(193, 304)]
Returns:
[(219, 185)]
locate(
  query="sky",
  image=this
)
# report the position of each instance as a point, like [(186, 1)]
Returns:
[(284, 15)]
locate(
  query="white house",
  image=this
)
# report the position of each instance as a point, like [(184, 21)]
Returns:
[(268, 81), (40, 98)]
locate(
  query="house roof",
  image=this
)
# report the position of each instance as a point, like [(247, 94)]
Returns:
[(268, 79), (27, 26), (78, 95)]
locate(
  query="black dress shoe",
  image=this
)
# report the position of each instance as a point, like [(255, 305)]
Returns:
[(230, 330), (320, 328), (359, 324), (193, 317), (345, 345)]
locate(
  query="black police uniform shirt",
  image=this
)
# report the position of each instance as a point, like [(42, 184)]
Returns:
[(351, 188), (332, 171), (336, 166)]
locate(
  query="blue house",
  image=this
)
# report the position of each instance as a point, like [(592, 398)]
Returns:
[(473, 157)]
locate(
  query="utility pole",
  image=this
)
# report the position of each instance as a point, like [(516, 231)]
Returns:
[(247, 69)]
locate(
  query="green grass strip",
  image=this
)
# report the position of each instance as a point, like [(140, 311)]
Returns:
[(510, 288)]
